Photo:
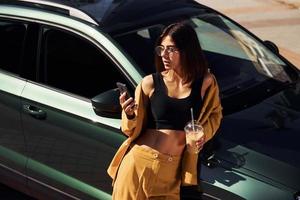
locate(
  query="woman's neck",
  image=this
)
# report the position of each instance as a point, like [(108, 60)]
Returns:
[(175, 77)]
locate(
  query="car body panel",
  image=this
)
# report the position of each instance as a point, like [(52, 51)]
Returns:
[(269, 128), (12, 142), (243, 186), (264, 153), (65, 102), (62, 146)]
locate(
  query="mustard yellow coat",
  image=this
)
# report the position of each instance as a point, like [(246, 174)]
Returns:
[(210, 118)]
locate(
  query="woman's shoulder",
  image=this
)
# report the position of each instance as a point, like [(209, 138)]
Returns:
[(148, 80), (148, 84)]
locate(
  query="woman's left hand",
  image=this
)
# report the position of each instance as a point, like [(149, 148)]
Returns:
[(200, 143)]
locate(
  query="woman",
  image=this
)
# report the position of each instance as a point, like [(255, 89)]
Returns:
[(154, 162)]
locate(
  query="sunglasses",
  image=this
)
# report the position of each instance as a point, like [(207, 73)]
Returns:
[(161, 49)]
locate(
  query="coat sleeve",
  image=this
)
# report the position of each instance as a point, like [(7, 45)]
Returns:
[(132, 126), (211, 116)]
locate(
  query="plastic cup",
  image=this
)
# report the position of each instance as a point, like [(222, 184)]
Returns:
[(194, 132)]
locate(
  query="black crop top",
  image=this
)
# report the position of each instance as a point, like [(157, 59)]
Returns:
[(171, 113)]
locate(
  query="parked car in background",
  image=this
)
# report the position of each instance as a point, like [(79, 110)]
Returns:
[(59, 111)]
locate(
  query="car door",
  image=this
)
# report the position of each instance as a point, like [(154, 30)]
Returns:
[(12, 143), (69, 146)]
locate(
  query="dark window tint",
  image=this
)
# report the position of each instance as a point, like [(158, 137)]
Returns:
[(11, 45), (75, 65), (140, 46)]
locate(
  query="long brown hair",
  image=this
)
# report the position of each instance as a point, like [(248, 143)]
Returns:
[(194, 64)]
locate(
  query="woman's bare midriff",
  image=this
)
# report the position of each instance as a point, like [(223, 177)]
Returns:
[(171, 142)]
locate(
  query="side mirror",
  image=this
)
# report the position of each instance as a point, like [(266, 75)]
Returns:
[(272, 46), (107, 104)]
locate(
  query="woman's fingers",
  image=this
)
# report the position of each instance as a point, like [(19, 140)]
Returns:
[(200, 143), (122, 98), (123, 101), (129, 110), (128, 105)]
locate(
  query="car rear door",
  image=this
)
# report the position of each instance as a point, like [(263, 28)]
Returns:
[(12, 143)]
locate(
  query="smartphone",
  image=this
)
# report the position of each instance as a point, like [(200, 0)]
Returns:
[(122, 88)]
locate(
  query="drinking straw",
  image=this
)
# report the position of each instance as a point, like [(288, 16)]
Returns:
[(192, 116)]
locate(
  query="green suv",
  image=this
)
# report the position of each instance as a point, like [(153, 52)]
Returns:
[(59, 110)]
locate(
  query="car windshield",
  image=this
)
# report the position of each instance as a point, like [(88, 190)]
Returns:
[(247, 61), (238, 60)]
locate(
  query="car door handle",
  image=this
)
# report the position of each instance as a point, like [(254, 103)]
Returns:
[(34, 111)]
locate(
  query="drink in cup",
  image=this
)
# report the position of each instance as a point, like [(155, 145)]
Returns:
[(194, 132)]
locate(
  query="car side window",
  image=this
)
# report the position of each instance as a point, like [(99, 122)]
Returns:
[(75, 65), (12, 35), (140, 43)]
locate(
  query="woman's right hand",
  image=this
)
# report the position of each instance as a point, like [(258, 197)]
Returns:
[(128, 105)]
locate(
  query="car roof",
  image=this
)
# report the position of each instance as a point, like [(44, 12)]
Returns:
[(129, 13), (53, 7), (114, 15)]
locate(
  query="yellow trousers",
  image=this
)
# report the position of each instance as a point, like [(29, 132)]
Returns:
[(147, 174)]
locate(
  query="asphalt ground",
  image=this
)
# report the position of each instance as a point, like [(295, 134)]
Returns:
[(274, 20)]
